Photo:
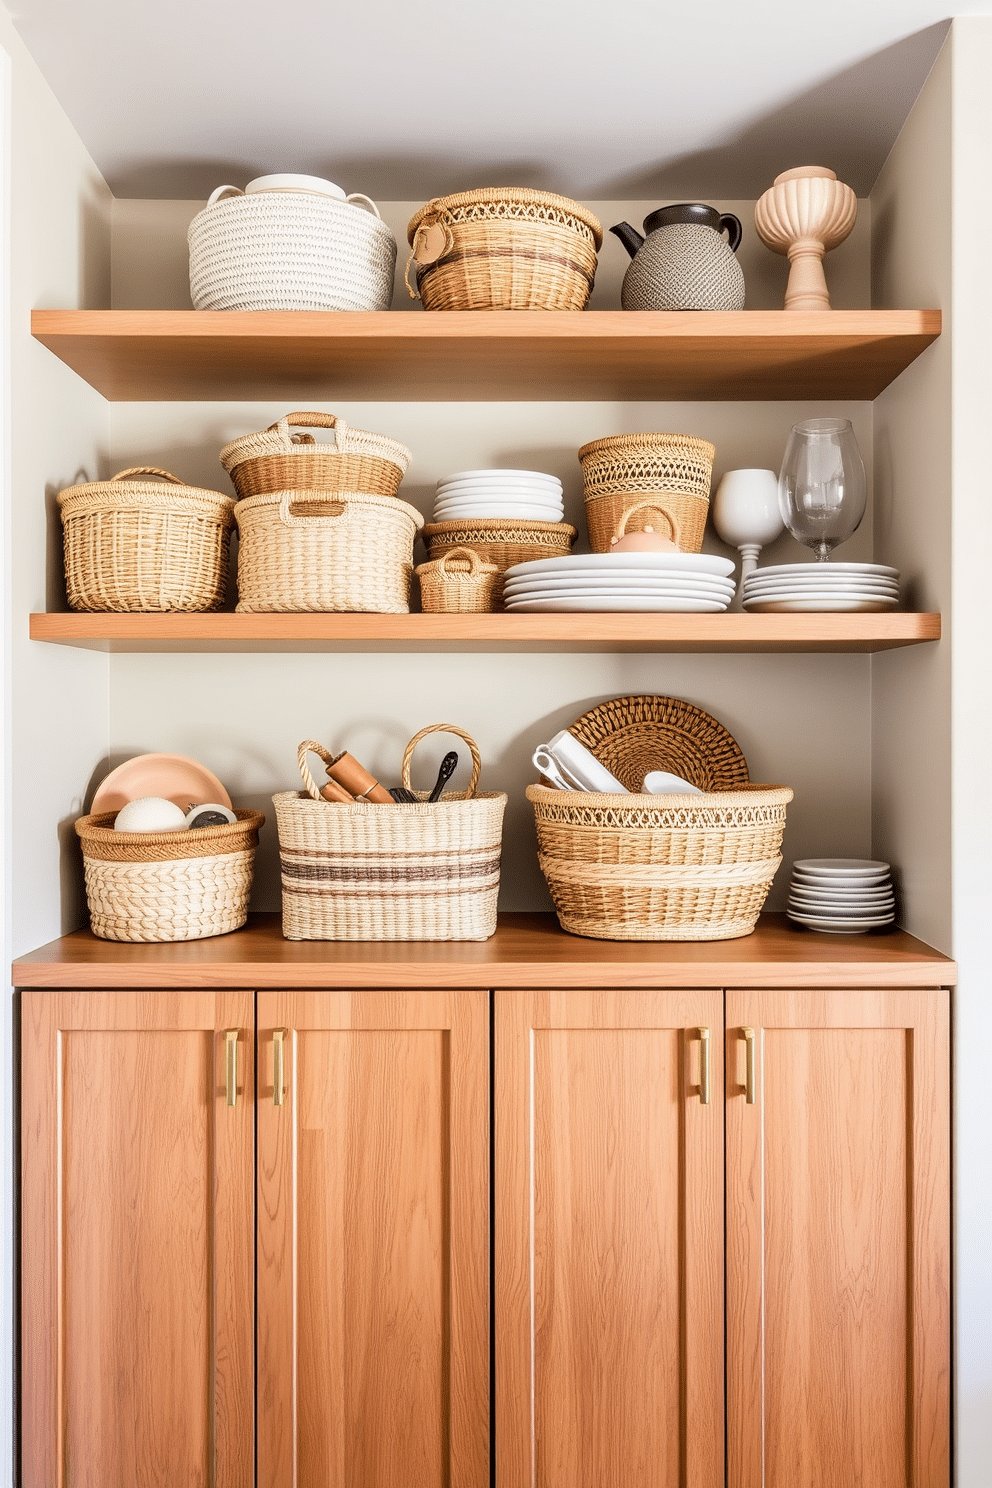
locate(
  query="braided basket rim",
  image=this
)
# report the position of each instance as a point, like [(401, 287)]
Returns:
[(745, 796), (649, 442), (100, 828), (508, 196)]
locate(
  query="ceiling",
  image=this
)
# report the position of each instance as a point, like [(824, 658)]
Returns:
[(636, 100)]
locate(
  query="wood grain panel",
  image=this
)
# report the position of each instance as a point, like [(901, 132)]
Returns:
[(837, 1231), (373, 1241), (137, 1286), (609, 1288)]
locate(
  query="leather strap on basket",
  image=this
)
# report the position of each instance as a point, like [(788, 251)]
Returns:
[(432, 241), (307, 421), (310, 746), (443, 728), (165, 475)]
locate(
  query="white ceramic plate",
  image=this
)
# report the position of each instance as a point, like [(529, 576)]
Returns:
[(479, 511), (845, 585), (636, 604), (865, 569), (622, 564), (675, 595), (843, 896), (839, 927), (703, 584), (843, 866), (494, 492), (816, 605), (856, 909), (497, 472)]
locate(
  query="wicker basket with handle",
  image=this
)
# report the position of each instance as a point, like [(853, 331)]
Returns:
[(275, 459), (503, 248), (624, 470), (501, 541), (458, 583), (168, 886), (428, 871), (321, 551), (145, 545)]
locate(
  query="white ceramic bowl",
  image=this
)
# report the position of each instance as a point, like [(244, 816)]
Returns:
[(512, 488), (494, 473), (316, 185), (480, 511)]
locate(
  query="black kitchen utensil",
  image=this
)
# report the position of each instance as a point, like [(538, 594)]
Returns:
[(402, 796), (448, 767)]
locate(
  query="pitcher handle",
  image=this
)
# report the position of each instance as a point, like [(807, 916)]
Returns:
[(734, 230)]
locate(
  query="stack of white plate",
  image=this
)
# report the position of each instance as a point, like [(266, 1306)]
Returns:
[(789, 587), (480, 495), (841, 895), (661, 582)]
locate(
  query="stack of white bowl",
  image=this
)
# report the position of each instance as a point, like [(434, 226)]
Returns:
[(502, 495), (841, 895)]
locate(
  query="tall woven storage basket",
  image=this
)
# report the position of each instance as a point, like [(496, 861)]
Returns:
[(316, 551), (148, 545), (502, 542), (277, 460), (405, 872), (290, 250), (623, 470), (168, 886), (503, 248), (674, 867)]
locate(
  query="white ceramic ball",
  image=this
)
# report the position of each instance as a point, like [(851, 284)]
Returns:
[(150, 814)]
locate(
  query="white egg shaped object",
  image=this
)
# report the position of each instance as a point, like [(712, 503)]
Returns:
[(150, 814)]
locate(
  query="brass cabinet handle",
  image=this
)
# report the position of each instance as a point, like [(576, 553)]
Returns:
[(749, 1066), (704, 1066), (278, 1039), (231, 1063)]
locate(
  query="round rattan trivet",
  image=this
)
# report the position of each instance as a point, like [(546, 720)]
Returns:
[(634, 735)]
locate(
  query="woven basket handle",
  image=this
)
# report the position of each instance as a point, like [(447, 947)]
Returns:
[(443, 728), (474, 561), (308, 421), (287, 518), (220, 192), (655, 506), (310, 746), (358, 196), (148, 470), (434, 216)]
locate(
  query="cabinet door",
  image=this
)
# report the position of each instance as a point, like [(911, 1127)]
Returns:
[(373, 1243), (609, 1240), (137, 1297), (838, 1213)]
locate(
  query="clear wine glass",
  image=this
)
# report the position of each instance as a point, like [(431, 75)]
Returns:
[(822, 488)]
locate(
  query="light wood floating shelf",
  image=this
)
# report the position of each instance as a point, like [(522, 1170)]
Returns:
[(498, 632), (151, 355), (527, 950)]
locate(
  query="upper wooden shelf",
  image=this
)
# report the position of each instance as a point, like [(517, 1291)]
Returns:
[(528, 950), (153, 355), (497, 632)]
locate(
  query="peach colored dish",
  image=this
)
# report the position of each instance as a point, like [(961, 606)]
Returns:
[(178, 779)]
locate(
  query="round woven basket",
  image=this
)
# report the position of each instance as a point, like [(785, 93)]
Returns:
[(317, 551), (503, 248), (622, 470), (428, 871), (289, 250), (277, 460), (458, 583), (147, 545), (673, 867), (166, 886), (646, 731), (501, 542)]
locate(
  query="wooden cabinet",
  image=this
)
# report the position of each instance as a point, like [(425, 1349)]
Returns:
[(137, 1299), (609, 1239), (838, 1246)]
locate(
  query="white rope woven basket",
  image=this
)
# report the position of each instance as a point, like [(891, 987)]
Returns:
[(288, 250)]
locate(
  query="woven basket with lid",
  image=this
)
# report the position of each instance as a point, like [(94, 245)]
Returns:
[(503, 248), (618, 472), (145, 545), (275, 459)]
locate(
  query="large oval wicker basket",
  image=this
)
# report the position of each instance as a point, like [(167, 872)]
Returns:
[(428, 871), (502, 542), (622, 470), (290, 250), (148, 545), (275, 459), (317, 551), (504, 248), (167, 886)]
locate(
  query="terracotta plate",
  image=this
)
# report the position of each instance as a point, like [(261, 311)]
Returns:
[(173, 776)]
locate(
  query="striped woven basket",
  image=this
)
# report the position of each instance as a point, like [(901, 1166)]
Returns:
[(404, 872), (503, 248), (145, 545), (167, 886), (322, 551), (277, 460), (623, 470)]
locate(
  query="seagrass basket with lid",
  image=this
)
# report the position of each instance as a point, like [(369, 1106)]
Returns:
[(279, 459), (643, 867), (503, 248)]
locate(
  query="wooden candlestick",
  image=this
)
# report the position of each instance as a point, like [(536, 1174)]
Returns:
[(804, 214)]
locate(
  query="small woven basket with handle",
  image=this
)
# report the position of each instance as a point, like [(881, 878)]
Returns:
[(428, 871), (458, 583), (147, 545), (166, 886), (275, 459), (501, 541)]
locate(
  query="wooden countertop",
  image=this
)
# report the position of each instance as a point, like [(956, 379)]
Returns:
[(527, 950)]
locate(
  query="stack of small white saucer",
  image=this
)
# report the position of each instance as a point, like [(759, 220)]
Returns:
[(503, 495), (841, 895), (792, 587)]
